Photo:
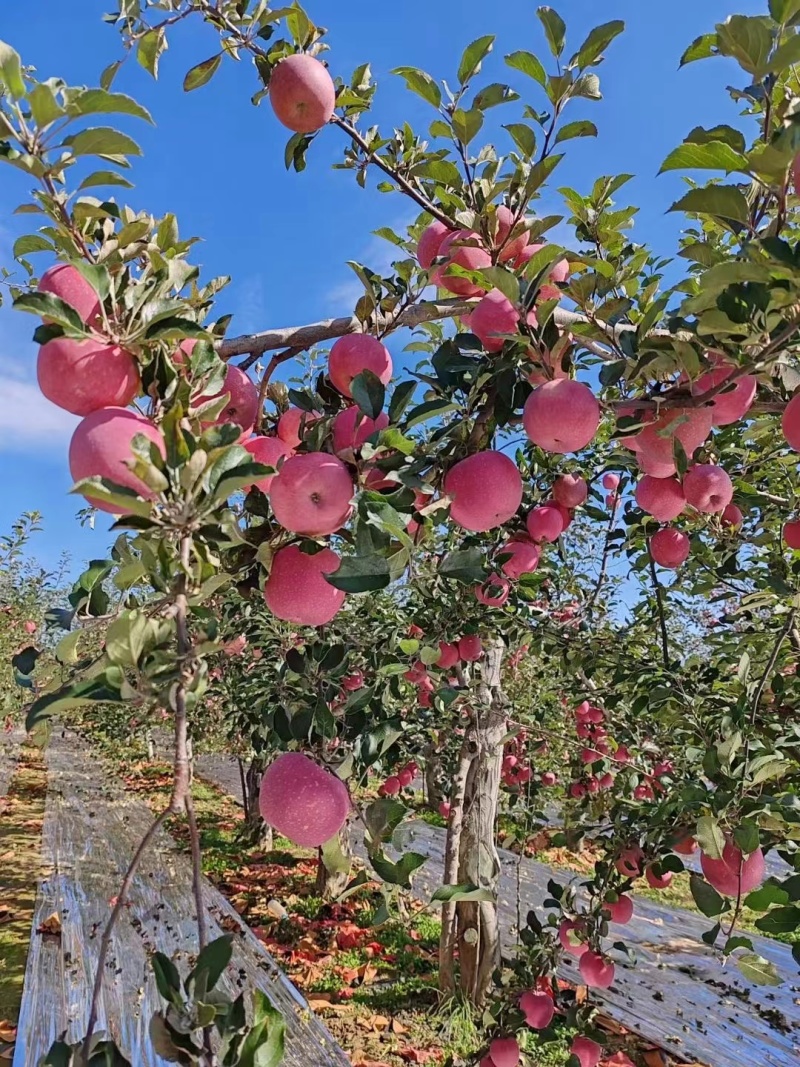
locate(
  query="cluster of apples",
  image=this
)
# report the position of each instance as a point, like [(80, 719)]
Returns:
[(538, 1007), (516, 770), (467, 649), (395, 783)]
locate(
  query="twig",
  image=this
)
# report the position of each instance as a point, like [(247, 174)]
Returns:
[(660, 604), (612, 521), (272, 366)]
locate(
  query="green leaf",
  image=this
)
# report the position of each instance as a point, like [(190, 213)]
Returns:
[(92, 690), (713, 155), (201, 73), (784, 10), (168, 980), (333, 857), (396, 873), (727, 134), (24, 661), (109, 74), (44, 106), (464, 565), (762, 898), (554, 29), (467, 124), (29, 243), (264, 1044), (420, 83), (524, 138), (150, 49), (429, 410), (401, 398), (102, 141), (722, 201), (702, 47), (448, 893), (51, 307), (529, 64), (581, 128), (102, 102), (758, 970), (126, 638), (360, 574), (705, 896), (369, 393), (786, 56), (213, 960), (748, 40), (780, 921), (710, 837), (66, 651), (598, 41), (11, 71), (588, 86), (104, 177), (746, 836), (473, 56)]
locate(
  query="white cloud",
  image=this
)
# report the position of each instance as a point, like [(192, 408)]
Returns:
[(377, 254), (29, 422)]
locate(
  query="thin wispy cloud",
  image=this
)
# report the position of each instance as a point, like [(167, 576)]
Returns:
[(377, 254), (29, 422)]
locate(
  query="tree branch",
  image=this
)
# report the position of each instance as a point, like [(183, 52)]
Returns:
[(662, 621)]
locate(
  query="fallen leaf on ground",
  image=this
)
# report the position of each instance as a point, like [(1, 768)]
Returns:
[(398, 1028), (51, 925)]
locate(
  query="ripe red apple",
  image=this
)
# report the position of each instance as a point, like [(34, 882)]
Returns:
[(302, 801), (296, 589), (656, 880), (570, 490), (596, 971), (494, 592), (302, 93), (351, 429), (587, 1051), (708, 488), (733, 875), (577, 790), (509, 250), (669, 547), (655, 468), (448, 656), (494, 315), (643, 792), (538, 1009), (610, 481), (485, 490), (405, 778), (568, 936), (353, 681), (687, 846), (731, 404), (84, 376), (545, 523), (691, 426), (391, 787), (548, 778), (242, 406), (629, 862), (790, 422), (621, 909), (732, 516), (293, 424), (444, 809), (29, 627), (561, 416), (663, 498), (269, 451), (606, 781), (311, 494), (353, 354), (791, 533), (416, 673), (430, 242), (462, 248), (470, 648), (504, 1052), (101, 447), (66, 282), (522, 558)]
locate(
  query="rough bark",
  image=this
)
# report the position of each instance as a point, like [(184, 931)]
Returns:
[(471, 927), (257, 830)]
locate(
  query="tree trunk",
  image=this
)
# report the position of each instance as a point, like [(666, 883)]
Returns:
[(330, 883), (258, 833), (472, 926), (151, 748)]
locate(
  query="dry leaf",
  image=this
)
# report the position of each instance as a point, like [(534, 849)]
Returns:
[(654, 1057), (7, 1031), (51, 925), (398, 1028)]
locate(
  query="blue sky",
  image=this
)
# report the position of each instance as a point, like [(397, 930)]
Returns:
[(217, 162)]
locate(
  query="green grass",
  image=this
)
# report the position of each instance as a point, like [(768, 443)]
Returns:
[(20, 862)]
